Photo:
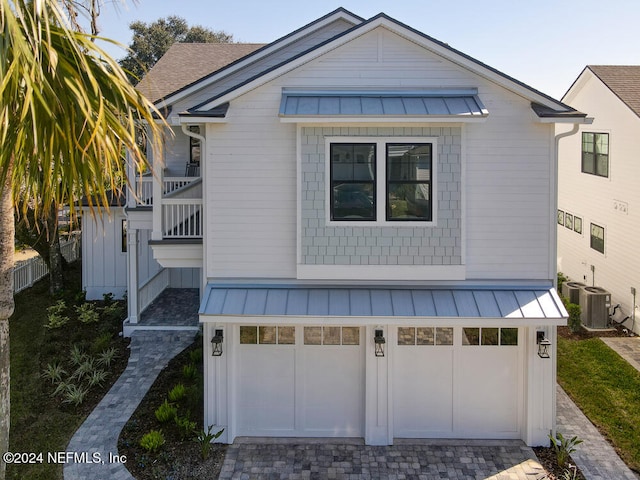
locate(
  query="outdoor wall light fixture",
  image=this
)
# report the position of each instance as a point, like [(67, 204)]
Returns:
[(379, 341), (216, 343), (543, 345)]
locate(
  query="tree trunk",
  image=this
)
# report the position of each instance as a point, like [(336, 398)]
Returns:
[(6, 309), (56, 279)]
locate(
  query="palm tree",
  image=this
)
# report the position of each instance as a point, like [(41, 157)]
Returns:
[(67, 114)]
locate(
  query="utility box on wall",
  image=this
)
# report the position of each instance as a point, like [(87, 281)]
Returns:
[(595, 303)]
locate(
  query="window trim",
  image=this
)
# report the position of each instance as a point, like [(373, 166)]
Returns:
[(380, 185), (595, 159)]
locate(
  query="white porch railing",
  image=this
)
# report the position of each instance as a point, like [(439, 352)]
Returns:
[(152, 288), (28, 272), (144, 188), (182, 218), (144, 191)]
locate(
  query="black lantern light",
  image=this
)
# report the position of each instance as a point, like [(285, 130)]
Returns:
[(543, 345), (379, 341), (216, 343)]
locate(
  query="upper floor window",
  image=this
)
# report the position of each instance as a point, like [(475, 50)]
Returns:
[(595, 153), (381, 181), (597, 238)]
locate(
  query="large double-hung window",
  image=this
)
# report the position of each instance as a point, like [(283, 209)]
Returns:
[(381, 181)]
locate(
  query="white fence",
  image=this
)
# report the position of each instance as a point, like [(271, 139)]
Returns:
[(28, 272)]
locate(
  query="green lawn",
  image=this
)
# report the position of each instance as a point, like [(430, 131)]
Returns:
[(607, 390), (40, 422)]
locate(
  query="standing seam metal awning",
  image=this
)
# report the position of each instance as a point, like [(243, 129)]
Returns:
[(436, 103), (281, 301)]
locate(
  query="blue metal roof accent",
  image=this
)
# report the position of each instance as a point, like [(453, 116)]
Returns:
[(350, 301), (448, 103)]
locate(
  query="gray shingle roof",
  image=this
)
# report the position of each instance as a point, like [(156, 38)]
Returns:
[(185, 63), (622, 80)]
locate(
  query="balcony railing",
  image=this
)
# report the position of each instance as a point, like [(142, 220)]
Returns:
[(182, 218), (144, 188)]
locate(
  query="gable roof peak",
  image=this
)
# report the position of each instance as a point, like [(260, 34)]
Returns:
[(623, 81)]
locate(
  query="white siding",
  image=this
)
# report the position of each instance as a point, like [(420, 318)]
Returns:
[(599, 200), (148, 267), (251, 169), (104, 264)]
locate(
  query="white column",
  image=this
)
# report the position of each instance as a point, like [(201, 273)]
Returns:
[(133, 303), (377, 390), (158, 181)]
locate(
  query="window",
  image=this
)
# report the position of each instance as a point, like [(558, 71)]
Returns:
[(560, 217), (353, 181), (489, 336), (595, 153), (597, 237), (408, 181), (123, 239), (577, 224), (568, 221), (194, 145), (381, 180)]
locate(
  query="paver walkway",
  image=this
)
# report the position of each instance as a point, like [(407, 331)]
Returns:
[(595, 457), (421, 460), (151, 351)]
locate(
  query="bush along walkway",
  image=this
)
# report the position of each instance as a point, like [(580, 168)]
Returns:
[(93, 450)]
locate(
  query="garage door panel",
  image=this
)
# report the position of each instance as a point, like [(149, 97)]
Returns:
[(266, 390), (333, 390), (423, 392), (488, 390)]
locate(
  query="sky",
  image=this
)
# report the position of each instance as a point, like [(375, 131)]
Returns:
[(543, 43)]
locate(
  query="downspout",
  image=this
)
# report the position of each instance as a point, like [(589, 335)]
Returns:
[(203, 156), (554, 257)]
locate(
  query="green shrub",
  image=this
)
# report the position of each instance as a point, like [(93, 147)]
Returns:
[(113, 311), (106, 358), (54, 372), (85, 369), (177, 393), (152, 441), (77, 356), (166, 412), (561, 279), (189, 371), (186, 427), (564, 447), (574, 312), (101, 342), (97, 377), (196, 356), (74, 394), (55, 315), (204, 439), (107, 298), (87, 313)]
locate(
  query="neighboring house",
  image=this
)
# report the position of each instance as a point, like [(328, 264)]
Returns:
[(599, 198), (371, 216)]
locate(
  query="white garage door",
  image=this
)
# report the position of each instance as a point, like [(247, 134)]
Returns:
[(300, 381), (457, 382)]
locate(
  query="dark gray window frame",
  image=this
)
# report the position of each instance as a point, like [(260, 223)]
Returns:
[(596, 171)]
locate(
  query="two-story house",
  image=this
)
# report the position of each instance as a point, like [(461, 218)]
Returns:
[(598, 216), (370, 215)]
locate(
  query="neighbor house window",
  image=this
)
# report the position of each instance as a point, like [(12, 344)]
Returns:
[(595, 153), (597, 238), (388, 180)]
